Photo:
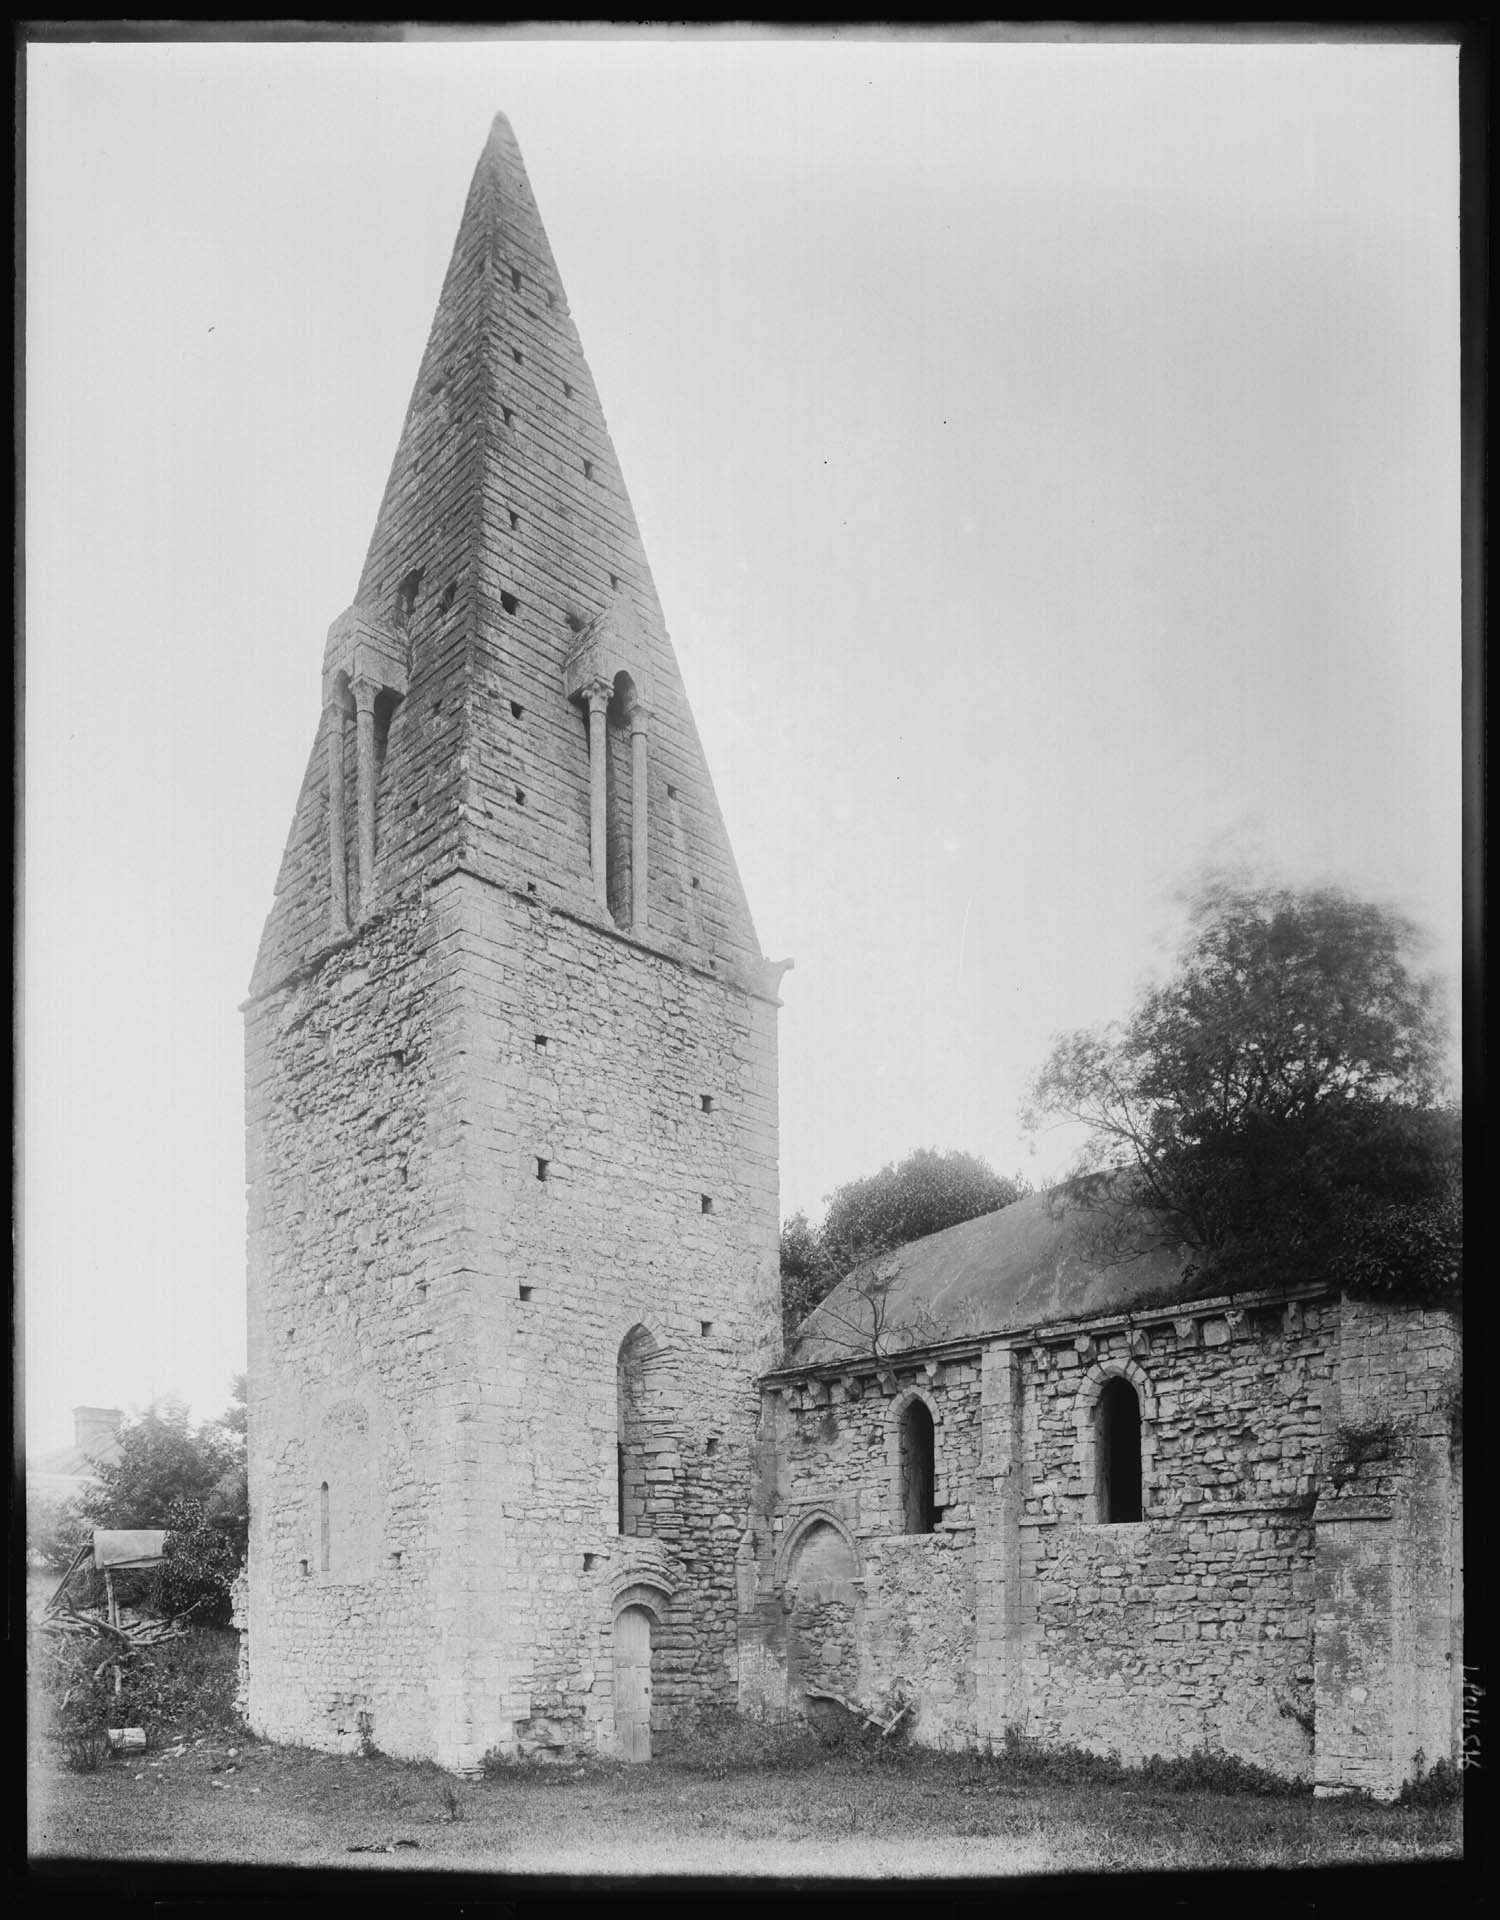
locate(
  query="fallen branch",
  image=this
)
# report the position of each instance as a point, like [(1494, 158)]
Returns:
[(127, 1637)]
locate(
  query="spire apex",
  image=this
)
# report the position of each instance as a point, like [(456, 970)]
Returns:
[(504, 585)]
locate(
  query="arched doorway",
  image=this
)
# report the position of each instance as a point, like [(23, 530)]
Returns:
[(632, 1639)]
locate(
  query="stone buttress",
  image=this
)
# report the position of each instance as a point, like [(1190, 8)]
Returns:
[(510, 1101)]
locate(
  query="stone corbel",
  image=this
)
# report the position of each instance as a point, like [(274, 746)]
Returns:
[(772, 973)]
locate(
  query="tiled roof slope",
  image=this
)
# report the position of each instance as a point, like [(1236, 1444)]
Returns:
[(1040, 1260), (505, 506)]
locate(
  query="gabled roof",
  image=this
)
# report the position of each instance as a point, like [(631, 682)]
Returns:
[(1043, 1259)]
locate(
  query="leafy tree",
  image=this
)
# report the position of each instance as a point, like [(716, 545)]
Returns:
[(55, 1530), (161, 1459), (921, 1194), (190, 1481), (905, 1201), (236, 1416), (1275, 1101), (806, 1271)]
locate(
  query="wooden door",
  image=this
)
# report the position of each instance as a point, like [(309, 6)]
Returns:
[(633, 1683)]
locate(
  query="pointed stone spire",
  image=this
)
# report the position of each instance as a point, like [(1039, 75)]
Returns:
[(505, 546)]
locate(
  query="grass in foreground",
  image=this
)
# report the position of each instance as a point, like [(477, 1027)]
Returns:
[(218, 1798)]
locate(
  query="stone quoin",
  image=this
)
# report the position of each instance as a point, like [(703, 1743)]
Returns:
[(529, 1470)]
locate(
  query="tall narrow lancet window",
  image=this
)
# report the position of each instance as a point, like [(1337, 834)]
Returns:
[(323, 1528), (632, 1398), (918, 1468), (364, 676), (1119, 1452)]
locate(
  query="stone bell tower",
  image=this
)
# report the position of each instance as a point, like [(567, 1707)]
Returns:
[(510, 1101)]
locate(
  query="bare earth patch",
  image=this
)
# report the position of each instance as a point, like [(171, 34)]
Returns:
[(220, 1798)]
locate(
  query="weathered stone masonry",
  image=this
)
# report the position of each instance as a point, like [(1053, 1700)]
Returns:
[(524, 1474), (511, 1102), (1272, 1600)]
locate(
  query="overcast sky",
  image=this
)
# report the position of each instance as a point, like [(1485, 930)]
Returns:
[(1048, 461)]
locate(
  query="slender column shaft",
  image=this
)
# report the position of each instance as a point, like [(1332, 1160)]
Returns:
[(364, 708), (638, 823), (338, 890), (598, 698)]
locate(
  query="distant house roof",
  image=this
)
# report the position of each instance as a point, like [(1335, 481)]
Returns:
[(1042, 1259), (65, 1473)]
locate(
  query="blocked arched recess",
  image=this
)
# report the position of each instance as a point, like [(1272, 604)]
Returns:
[(789, 1548), (914, 1483), (1087, 1440), (645, 1433), (823, 1604)]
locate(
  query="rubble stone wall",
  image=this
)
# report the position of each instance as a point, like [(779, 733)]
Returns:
[(1389, 1564), (481, 1157), (1272, 1600), (831, 1454), (350, 1362), (1191, 1626), (645, 1091)]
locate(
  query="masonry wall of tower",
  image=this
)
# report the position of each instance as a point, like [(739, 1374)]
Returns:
[(590, 1154), (493, 1132), (356, 1355), (436, 1327)]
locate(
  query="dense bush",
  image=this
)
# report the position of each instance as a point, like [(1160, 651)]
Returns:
[(721, 1740), (198, 1569), (1202, 1771)]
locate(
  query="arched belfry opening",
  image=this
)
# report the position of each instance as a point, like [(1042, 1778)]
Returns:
[(646, 1456), (1118, 1452), (606, 675), (619, 799), (364, 678)]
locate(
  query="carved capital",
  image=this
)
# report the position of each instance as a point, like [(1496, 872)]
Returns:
[(362, 647), (612, 643), (365, 692)]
